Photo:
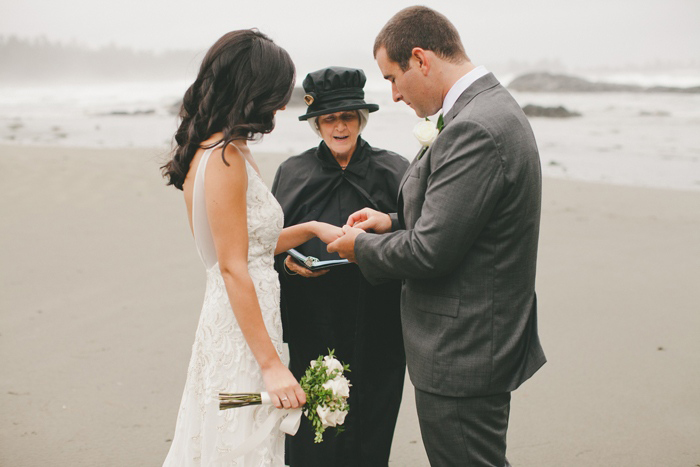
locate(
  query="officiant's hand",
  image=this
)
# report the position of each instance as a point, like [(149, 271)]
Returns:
[(345, 245), (295, 268), (368, 219)]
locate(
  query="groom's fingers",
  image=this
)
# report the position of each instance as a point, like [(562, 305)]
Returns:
[(344, 246), (333, 246), (364, 225), (361, 215), (337, 247), (352, 218)]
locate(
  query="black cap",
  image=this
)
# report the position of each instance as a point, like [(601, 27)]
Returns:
[(335, 89)]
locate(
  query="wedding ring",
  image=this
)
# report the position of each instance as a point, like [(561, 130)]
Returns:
[(284, 399)]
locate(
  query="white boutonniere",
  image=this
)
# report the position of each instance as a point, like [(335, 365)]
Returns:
[(426, 133)]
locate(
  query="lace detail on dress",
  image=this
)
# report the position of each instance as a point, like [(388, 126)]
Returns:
[(221, 359)]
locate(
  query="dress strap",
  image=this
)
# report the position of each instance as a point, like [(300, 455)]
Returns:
[(200, 221)]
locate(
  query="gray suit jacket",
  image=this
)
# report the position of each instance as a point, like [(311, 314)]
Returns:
[(465, 244)]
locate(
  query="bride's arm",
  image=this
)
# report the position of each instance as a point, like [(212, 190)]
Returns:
[(295, 235), (226, 208)]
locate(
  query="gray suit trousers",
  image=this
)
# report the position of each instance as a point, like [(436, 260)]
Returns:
[(464, 431)]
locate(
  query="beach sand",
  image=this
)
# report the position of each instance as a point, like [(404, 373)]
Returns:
[(102, 287)]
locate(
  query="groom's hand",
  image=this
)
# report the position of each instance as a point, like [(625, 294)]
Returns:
[(345, 245), (368, 219)]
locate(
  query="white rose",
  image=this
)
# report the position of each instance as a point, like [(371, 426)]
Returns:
[(425, 132), (327, 416), (344, 387), (340, 416), (339, 385), (332, 364)]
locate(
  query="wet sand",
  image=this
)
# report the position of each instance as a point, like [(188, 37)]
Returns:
[(102, 286)]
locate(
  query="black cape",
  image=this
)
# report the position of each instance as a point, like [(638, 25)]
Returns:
[(341, 310)]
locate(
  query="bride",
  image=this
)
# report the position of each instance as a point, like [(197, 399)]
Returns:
[(237, 226)]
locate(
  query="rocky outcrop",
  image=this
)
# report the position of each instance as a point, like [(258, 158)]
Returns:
[(532, 110), (548, 82)]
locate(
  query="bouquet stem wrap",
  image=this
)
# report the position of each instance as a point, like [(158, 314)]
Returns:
[(290, 419)]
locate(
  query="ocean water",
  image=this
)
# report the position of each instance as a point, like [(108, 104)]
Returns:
[(620, 138)]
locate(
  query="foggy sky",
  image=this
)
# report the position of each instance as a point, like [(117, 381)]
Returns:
[(321, 33)]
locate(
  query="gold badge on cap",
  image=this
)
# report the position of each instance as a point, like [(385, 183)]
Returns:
[(309, 99)]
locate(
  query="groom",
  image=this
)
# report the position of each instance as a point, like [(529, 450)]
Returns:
[(464, 241)]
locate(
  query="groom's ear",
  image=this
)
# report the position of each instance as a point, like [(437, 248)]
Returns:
[(422, 59)]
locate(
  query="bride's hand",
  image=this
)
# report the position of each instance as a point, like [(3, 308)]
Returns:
[(326, 232), (283, 388)]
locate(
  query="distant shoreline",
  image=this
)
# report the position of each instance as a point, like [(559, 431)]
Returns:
[(40, 62)]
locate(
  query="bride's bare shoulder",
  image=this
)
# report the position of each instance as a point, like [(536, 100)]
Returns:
[(226, 170)]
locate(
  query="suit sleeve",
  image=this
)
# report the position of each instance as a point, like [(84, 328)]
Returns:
[(464, 186)]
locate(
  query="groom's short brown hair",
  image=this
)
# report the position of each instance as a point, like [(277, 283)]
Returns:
[(419, 26)]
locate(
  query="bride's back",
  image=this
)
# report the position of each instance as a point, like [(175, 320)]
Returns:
[(243, 80)]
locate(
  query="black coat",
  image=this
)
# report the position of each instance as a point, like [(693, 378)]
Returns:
[(341, 310)]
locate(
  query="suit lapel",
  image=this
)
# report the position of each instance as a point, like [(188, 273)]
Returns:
[(482, 84), (408, 171), (399, 198)]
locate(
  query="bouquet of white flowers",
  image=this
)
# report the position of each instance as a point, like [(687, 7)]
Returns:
[(327, 391)]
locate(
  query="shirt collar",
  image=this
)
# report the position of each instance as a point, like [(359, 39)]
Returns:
[(460, 86)]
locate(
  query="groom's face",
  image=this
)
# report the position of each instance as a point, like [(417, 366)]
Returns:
[(408, 86)]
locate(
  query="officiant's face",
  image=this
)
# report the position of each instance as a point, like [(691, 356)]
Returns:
[(340, 131), (408, 86)]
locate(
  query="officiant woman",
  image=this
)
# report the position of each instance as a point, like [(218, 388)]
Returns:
[(337, 308)]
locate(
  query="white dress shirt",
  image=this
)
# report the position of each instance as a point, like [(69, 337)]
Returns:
[(460, 86)]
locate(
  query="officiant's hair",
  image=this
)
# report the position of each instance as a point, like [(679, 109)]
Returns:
[(244, 78), (423, 27)]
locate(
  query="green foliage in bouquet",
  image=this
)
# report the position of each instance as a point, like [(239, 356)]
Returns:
[(326, 391)]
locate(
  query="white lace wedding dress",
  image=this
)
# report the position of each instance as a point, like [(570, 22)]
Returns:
[(221, 359)]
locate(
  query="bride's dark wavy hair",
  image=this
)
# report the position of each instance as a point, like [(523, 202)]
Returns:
[(243, 80)]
